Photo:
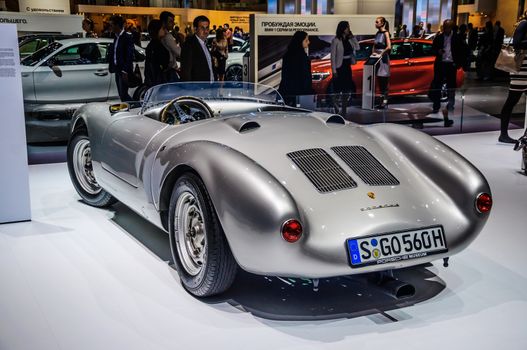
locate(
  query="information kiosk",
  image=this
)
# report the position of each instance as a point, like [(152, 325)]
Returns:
[(369, 74)]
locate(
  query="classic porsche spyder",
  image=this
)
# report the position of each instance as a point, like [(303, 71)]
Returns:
[(238, 179)]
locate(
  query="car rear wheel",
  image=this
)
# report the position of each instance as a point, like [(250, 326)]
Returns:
[(199, 248), (234, 73), (81, 172)]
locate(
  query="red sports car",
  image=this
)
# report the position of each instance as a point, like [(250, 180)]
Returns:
[(411, 64)]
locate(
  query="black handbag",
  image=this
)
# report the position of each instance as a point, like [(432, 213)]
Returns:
[(135, 78)]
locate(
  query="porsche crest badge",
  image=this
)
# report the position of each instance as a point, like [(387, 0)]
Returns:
[(371, 195)]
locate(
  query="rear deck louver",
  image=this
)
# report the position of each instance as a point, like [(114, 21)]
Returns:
[(364, 164), (322, 170)]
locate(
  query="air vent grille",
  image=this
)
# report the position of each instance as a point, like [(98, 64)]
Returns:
[(364, 164), (322, 170)]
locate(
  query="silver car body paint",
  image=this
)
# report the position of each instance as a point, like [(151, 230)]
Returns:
[(255, 187)]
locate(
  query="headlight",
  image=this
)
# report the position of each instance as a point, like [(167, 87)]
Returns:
[(319, 76)]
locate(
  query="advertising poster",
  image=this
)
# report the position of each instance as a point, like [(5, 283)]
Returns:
[(53, 7), (14, 178), (270, 35)]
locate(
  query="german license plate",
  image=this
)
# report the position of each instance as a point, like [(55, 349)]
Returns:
[(396, 246)]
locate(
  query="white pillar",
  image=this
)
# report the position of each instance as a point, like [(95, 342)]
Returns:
[(345, 7)]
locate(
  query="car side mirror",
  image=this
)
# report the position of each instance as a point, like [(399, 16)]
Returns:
[(52, 65)]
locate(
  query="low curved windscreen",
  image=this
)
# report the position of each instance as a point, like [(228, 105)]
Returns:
[(228, 90)]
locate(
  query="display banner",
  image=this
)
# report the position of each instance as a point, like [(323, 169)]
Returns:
[(14, 178), (53, 7), (36, 22), (270, 35)]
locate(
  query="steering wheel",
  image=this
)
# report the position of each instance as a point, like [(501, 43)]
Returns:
[(185, 109)]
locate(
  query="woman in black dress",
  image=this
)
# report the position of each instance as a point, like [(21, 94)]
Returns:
[(296, 69), (157, 56)]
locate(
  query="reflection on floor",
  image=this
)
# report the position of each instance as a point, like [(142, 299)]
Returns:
[(78, 277)]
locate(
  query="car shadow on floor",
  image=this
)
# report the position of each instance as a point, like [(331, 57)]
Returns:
[(295, 299)]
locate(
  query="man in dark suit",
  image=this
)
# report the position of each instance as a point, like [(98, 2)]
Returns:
[(121, 56), (196, 62), (451, 54)]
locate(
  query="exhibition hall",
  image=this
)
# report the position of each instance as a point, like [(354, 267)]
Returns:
[(276, 174)]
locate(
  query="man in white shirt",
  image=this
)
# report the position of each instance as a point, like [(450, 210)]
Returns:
[(196, 62), (450, 57)]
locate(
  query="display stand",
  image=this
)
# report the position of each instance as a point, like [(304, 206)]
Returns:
[(369, 75), (14, 176)]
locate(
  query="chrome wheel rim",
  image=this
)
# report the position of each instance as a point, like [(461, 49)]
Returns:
[(191, 238), (234, 74), (82, 164)]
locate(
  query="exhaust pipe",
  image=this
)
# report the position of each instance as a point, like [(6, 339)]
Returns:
[(393, 287), (397, 289)]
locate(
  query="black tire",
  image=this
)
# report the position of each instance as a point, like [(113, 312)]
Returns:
[(81, 172), (139, 93), (218, 268), (234, 73)]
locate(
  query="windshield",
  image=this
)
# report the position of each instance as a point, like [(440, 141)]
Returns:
[(36, 57), (228, 90), (245, 46)]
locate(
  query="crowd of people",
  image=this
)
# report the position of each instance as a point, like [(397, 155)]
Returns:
[(172, 56)]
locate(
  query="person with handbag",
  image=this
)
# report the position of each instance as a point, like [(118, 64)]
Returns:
[(381, 48), (518, 82), (343, 48)]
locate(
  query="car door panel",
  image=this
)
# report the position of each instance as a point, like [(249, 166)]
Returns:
[(124, 143), (80, 76), (422, 63)]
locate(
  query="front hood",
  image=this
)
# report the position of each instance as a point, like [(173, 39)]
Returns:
[(320, 65)]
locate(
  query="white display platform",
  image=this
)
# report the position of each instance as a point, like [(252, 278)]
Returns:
[(78, 277)]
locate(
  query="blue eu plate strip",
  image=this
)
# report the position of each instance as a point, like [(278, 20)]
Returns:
[(354, 251)]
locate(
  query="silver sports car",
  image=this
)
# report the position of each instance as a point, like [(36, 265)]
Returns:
[(238, 179)]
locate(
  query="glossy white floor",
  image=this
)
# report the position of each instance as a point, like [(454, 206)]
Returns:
[(82, 278)]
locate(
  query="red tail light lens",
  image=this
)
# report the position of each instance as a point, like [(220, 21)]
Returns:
[(483, 203), (292, 230)]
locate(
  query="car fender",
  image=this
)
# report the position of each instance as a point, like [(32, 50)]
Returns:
[(250, 203), (444, 168)]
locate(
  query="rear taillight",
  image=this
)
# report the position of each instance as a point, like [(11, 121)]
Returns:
[(483, 203), (291, 230)]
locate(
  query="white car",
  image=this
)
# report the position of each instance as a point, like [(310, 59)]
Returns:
[(234, 64), (61, 77)]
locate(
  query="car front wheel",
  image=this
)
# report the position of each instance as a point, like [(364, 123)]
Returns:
[(199, 248), (234, 73), (81, 172)]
